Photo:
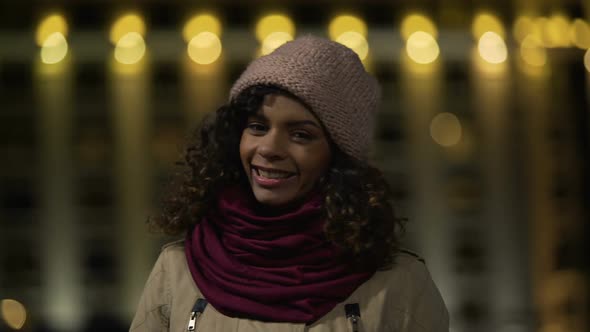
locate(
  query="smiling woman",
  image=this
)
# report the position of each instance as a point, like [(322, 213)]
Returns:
[(284, 151), (285, 225)]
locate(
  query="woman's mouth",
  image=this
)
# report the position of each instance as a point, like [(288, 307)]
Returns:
[(270, 177)]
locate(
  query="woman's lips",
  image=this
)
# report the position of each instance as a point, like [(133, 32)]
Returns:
[(270, 183), (256, 167)]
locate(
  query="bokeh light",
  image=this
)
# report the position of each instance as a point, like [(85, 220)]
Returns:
[(13, 313), (201, 23), (422, 48), (587, 60), (346, 23), (540, 24), (445, 129), (579, 33), (532, 51), (274, 40), (555, 31), (415, 22), (50, 25), (54, 48), (126, 24), (274, 23), (488, 69), (523, 27), (492, 48), (356, 42), (204, 48), (485, 22), (419, 69), (130, 48)]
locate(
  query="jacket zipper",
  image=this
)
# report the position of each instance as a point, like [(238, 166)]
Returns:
[(198, 309), (353, 314)]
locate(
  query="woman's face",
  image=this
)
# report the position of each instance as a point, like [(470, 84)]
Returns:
[(284, 151)]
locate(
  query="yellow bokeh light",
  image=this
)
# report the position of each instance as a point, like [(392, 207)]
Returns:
[(486, 68), (533, 52), (54, 48), (346, 23), (204, 48), (134, 69), (126, 24), (422, 48), (130, 48), (556, 31), (13, 313), (274, 40), (523, 26), (492, 48), (579, 33), (545, 33), (419, 69), (532, 71), (274, 23), (485, 22), (356, 42), (445, 129), (201, 23), (540, 24), (415, 22), (587, 60), (536, 30), (50, 25)]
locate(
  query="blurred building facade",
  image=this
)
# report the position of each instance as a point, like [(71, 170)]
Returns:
[(489, 159)]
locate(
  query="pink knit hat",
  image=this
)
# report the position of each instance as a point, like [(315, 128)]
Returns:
[(330, 78)]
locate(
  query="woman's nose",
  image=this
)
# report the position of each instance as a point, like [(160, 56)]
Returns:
[(271, 146)]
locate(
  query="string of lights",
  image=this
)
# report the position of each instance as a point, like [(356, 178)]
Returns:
[(203, 36)]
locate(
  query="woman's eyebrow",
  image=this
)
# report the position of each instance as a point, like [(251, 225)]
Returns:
[(302, 122), (293, 123), (258, 116)]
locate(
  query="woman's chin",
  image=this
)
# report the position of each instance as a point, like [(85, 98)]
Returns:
[(270, 199)]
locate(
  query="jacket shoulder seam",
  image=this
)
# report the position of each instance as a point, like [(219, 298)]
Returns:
[(403, 253), (413, 253), (176, 243)]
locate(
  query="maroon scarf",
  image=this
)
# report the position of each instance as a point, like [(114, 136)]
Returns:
[(252, 263)]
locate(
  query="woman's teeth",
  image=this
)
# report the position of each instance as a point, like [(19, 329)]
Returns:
[(273, 174)]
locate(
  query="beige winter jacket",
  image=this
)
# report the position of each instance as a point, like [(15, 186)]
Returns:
[(401, 298)]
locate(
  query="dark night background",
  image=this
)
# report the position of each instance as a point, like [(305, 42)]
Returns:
[(501, 215)]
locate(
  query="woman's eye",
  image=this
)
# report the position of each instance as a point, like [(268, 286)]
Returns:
[(301, 135), (256, 127)]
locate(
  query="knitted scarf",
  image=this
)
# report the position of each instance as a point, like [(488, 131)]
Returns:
[(268, 266)]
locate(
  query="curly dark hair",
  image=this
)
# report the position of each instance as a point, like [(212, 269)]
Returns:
[(358, 206)]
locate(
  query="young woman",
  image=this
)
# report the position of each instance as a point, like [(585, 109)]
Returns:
[(285, 225)]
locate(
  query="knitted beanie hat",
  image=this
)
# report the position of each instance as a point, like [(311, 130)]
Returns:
[(328, 77)]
